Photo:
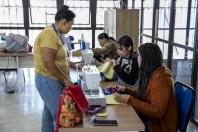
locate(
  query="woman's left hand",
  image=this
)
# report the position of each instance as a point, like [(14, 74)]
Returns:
[(122, 98)]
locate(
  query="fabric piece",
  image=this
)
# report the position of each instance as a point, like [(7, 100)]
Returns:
[(102, 114), (16, 43), (107, 70), (110, 99)]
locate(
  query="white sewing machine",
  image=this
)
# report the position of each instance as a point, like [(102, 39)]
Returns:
[(91, 80)]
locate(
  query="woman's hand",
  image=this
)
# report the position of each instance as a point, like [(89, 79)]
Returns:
[(114, 62), (79, 65), (107, 60), (68, 83), (120, 88), (122, 98)]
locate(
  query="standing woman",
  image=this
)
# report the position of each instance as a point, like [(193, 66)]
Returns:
[(52, 66), (154, 100)]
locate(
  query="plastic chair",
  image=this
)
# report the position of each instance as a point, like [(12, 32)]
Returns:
[(185, 96)]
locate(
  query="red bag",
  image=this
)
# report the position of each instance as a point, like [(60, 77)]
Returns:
[(72, 104)]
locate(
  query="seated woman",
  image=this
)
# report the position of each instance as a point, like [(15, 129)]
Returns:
[(107, 50), (126, 65), (154, 100)]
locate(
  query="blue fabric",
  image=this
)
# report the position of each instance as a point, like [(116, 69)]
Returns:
[(106, 79), (184, 96), (16, 43), (50, 91)]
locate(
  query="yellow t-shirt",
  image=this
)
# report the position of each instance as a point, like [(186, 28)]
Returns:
[(49, 39)]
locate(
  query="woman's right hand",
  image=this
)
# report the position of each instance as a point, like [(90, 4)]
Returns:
[(79, 65), (107, 60), (68, 83), (120, 88)]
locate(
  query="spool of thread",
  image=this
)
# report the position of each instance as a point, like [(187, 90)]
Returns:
[(83, 45)]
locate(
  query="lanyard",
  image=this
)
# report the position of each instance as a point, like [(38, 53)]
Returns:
[(59, 35)]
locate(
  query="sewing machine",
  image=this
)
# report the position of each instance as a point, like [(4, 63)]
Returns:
[(91, 80)]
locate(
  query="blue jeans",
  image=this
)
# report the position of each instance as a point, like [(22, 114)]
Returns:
[(50, 91)]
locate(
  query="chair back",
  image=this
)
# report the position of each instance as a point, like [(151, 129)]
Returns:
[(185, 96)]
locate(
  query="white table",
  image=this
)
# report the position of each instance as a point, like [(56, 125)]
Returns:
[(16, 60)]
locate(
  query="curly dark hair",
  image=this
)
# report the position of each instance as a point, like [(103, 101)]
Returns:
[(103, 35), (64, 13)]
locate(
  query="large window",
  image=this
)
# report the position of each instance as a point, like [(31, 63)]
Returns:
[(42, 12), (103, 5), (82, 10), (180, 21), (164, 19), (15, 31), (11, 12)]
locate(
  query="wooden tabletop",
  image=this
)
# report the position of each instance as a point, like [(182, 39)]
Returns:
[(125, 115)]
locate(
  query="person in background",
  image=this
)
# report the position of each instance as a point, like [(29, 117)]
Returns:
[(126, 65), (52, 66), (112, 39), (107, 50), (154, 100)]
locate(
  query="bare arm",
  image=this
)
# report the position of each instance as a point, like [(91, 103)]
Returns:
[(48, 57), (104, 50)]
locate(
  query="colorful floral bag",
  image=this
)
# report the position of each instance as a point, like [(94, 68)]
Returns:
[(72, 104)]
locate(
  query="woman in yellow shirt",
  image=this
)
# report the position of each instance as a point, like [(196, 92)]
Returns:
[(51, 65)]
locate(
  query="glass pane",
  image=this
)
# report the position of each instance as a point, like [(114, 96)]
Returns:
[(193, 13), (180, 36), (103, 5), (42, 12), (148, 14), (129, 4), (164, 13), (163, 34), (14, 31), (164, 49), (181, 13), (138, 3), (191, 38), (11, 13), (82, 10), (32, 36), (181, 68), (146, 40), (148, 32)]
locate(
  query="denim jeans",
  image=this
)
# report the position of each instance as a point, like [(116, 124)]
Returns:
[(50, 91)]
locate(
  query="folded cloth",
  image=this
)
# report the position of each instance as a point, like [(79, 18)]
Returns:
[(20, 39), (107, 71)]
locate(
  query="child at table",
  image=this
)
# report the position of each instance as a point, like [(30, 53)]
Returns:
[(126, 65)]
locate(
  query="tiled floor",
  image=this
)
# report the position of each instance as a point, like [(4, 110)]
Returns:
[(21, 111)]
